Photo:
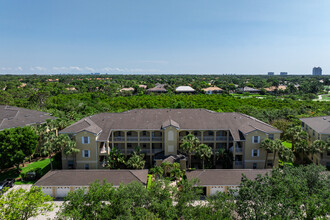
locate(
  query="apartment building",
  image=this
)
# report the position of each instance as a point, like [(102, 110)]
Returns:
[(160, 132), (318, 128)]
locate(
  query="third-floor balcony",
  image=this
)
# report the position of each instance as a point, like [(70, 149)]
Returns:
[(132, 138), (221, 138), (157, 138), (144, 138), (119, 138)]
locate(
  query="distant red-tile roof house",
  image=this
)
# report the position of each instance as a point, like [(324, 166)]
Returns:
[(212, 90), (273, 88), (22, 85), (71, 89), (52, 80)]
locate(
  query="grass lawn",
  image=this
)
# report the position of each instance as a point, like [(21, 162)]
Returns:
[(287, 144), (43, 164), (326, 97)]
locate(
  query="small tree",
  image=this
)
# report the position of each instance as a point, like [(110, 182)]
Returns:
[(267, 145), (115, 158), (136, 160), (24, 204), (190, 142), (204, 152)]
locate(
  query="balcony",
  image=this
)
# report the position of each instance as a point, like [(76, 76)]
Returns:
[(157, 138), (221, 138), (208, 138), (238, 150), (119, 138), (145, 150), (238, 163), (103, 150), (130, 150), (144, 138), (132, 138)]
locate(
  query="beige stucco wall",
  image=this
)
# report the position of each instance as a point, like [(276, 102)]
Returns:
[(92, 147), (249, 160)]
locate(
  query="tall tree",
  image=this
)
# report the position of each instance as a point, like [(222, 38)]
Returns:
[(136, 160), (189, 144), (318, 146), (204, 152), (296, 134)]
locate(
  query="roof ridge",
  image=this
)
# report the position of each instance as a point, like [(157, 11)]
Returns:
[(253, 118), (132, 172)]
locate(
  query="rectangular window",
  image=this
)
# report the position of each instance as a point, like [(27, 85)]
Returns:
[(255, 165), (86, 153), (271, 136), (85, 140), (86, 166), (256, 139), (255, 153)]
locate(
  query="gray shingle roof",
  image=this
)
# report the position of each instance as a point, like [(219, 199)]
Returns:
[(86, 177), (319, 124), (13, 117), (224, 177), (186, 119)]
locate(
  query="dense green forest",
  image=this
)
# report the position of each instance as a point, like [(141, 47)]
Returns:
[(72, 97)]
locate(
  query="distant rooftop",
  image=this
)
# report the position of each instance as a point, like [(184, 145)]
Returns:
[(184, 89), (13, 117), (319, 124)]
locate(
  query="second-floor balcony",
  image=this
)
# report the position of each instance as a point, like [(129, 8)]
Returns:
[(238, 163), (157, 150), (238, 150), (157, 138), (208, 138)]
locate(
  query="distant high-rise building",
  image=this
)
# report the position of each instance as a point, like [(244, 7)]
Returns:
[(283, 73), (271, 74), (317, 71)]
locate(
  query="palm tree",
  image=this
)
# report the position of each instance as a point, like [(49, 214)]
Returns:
[(302, 147), (276, 148), (317, 146), (176, 173), (285, 154), (166, 167), (189, 144), (267, 145), (204, 152), (49, 147), (115, 158), (296, 134), (136, 161), (158, 171), (226, 156)]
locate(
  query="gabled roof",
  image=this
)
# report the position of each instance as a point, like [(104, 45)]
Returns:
[(184, 89), (170, 122), (158, 88), (86, 177), (13, 117), (319, 124), (214, 88), (224, 177), (186, 119)]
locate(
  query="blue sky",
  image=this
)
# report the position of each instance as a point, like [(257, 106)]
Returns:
[(172, 36)]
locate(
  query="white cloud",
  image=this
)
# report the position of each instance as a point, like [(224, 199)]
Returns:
[(76, 68), (38, 68), (89, 69), (19, 68)]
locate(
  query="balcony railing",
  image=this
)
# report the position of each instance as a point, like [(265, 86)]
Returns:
[(231, 139), (238, 163), (132, 138), (130, 150), (145, 150), (157, 138), (154, 151), (221, 138), (144, 138), (238, 150), (119, 138), (208, 138)]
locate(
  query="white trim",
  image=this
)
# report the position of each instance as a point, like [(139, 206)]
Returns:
[(255, 142), (83, 140), (253, 152), (83, 153)]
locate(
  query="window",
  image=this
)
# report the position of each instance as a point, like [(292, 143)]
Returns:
[(85, 140), (70, 164), (271, 136), (302, 124), (86, 153), (313, 133), (255, 153), (256, 139), (255, 165), (170, 148), (328, 165), (86, 166), (170, 135), (306, 127), (195, 133)]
